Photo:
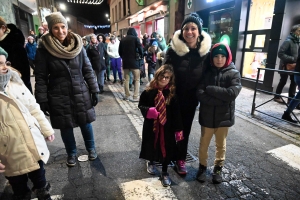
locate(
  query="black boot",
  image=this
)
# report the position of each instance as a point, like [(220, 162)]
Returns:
[(201, 174), (26, 196), (287, 116), (217, 175), (43, 193), (101, 89)]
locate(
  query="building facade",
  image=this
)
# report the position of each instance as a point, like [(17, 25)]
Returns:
[(254, 29)]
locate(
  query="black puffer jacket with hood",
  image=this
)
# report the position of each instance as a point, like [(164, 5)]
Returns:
[(129, 46), (217, 93)]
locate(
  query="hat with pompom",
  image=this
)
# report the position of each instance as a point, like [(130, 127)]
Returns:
[(193, 17)]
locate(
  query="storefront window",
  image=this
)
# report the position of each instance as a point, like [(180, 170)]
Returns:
[(220, 26), (160, 26), (257, 36)]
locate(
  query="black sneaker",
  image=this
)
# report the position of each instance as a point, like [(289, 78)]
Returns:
[(92, 155), (217, 175), (165, 179), (201, 174), (151, 168), (43, 193), (71, 161)]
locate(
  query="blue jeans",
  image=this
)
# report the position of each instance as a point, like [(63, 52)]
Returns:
[(68, 138), (294, 102), (100, 77)]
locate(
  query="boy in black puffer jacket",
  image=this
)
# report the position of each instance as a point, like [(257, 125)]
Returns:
[(217, 93)]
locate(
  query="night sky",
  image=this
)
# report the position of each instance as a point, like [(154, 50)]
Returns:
[(93, 13)]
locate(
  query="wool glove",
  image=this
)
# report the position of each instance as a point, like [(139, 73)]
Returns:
[(179, 136), (45, 108), (152, 113), (94, 99)]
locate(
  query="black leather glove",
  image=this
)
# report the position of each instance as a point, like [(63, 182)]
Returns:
[(45, 108), (94, 99)]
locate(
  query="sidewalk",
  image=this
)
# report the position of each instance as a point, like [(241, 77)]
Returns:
[(243, 110)]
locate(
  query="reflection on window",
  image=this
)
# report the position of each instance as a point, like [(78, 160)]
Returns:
[(252, 61), (259, 41)]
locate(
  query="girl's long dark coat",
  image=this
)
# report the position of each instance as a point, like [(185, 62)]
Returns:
[(173, 124)]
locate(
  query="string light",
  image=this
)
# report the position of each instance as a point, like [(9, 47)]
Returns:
[(94, 2)]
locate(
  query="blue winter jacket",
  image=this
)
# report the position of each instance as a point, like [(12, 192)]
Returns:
[(31, 50)]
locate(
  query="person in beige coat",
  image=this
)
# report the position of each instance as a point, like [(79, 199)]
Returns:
[(24, 130)]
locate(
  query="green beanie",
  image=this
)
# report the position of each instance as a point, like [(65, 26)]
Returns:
[(3, 52)]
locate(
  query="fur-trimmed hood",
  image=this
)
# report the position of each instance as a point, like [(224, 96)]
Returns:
[(181, 48)]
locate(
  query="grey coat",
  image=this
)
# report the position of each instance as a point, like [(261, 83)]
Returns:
[(288, 51)]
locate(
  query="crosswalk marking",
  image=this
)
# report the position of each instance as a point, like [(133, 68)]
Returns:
[(289, 153), (147, 189)]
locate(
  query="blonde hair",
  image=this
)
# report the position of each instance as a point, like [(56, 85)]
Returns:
[(159, 72)]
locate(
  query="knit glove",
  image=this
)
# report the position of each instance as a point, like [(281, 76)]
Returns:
[(45, 108), (152, 113), (94, 99), (179, 136)]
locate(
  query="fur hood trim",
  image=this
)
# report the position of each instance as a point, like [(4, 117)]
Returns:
[(182, 49)]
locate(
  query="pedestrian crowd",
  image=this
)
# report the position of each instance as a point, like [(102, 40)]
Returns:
[(71, 71)]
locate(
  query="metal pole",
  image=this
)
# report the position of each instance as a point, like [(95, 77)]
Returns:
[(256, 83)]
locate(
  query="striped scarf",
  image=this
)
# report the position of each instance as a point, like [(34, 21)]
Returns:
[(158, 126)]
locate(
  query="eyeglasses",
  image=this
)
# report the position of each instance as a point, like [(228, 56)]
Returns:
[(164, 77), (7, 63)]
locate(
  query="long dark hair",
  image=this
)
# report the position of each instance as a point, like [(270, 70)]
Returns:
[(67, 40), (166, 68)]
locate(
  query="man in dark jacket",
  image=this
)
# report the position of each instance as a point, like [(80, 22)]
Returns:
[(12, 41), (130, 50), (99, 60)]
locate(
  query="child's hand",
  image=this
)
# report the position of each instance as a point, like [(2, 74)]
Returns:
[(50, 138), (2, 168), (152, 113), (179, 136)]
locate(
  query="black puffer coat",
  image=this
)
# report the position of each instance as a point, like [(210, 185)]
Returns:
[(188, 65), (98, 56), (173, 124), (13, 44), (67, 86), (217, 93), (129, 46)]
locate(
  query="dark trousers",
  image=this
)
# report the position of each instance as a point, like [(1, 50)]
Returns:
[(187, 114), (282, 82), (19, 183)]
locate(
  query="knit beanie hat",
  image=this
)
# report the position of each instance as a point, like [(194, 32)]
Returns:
[(154, 43), (3, 52), (193, 17), (4, 78), (30, 37), (54, 18), (221, 49), (41, 28)]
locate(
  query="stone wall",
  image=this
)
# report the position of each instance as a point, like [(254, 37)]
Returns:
[(7, 12)]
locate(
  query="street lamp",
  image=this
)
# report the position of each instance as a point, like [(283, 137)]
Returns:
[(106, 15), (62, 6), (68, 19)]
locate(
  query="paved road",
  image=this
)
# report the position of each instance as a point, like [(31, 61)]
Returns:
[(262, 161)]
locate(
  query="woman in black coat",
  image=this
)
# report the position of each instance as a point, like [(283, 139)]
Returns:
[(13, 41), (188, 55), (65, 85)]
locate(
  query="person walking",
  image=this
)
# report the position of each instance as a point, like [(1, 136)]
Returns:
[(131, 52), (101, 38), (31, 51), (24, 131), (115, 59), (65, 85), (151, 59), (12, 41), (217, 93), (162, 126), (295, 101), (288, 54), (99, 60), (188, 56)]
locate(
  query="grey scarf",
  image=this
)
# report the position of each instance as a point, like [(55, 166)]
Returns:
[(55, 48), (4, 78)]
